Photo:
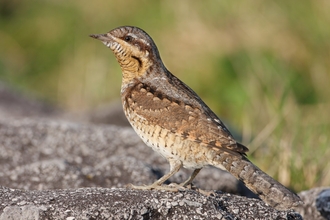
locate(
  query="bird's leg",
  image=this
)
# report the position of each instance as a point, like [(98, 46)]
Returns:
[(191, 178), (175, 166)]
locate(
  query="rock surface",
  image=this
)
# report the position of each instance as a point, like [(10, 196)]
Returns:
[(51, 166), (323, 203), (101, 203), (15, 104), (316, 204)]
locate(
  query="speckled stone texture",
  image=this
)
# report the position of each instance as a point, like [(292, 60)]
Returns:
[(317, 203), (323, 203), (101, 203)]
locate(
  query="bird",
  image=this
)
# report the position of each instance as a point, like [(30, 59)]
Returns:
[(175, 122)]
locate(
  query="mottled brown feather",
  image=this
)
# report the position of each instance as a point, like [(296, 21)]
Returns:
[(191, 119)]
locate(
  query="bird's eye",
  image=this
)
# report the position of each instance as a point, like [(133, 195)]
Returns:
[(127, 38)]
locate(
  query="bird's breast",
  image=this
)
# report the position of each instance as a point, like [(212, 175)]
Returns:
[(167, 142)]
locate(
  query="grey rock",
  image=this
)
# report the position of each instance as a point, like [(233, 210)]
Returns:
[(323, 203), (46, 157), (21, 212), (101, 203), (108, 114), (14, 103), (310, 210)]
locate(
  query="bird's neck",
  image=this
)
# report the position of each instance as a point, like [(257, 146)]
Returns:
[(138, 72)]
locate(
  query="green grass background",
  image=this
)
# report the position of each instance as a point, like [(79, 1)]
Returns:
[(262, 66)]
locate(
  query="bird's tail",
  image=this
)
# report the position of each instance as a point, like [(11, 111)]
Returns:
[(268, 189)]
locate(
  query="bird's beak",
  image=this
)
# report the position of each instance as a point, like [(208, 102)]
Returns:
[(107, 39), (102, 37)]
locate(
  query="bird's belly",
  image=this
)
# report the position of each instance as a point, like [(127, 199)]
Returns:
[(171, 145)]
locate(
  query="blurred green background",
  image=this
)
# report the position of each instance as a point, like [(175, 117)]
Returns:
[(262, 66)]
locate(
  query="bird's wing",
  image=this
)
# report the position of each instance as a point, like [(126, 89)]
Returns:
[(182, 112)]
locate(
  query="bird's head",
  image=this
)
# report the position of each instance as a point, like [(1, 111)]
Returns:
[(134, 49)]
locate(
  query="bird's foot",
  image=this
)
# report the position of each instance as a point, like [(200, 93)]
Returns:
[(193, 187), (206, 192)]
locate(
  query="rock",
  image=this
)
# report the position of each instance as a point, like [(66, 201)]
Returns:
[(108, 114), (101, 203), (314, 203), (50, 166), (14, 104), (323, 203), (42, 156)]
